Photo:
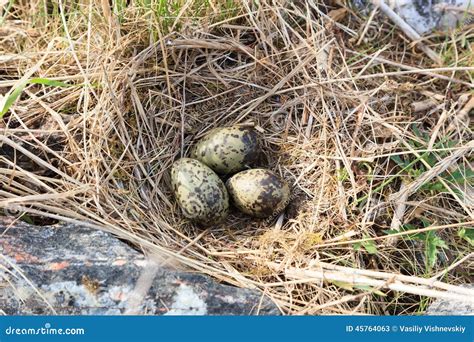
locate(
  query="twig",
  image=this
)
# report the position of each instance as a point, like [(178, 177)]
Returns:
[(408, 232), (427, 72), (398, 214), (207, 44), (10, 265), (446, 7), (407, 29), (340, 190), (420, 106), (32, 156), (367, 25), (397, 277), (442, 166), (462, 114), (435, 130), (393, 282), (456, 264), (141, 289)]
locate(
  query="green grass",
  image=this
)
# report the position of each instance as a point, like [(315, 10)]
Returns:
[(369, 245), (467, 234), (6, 10), (412, 167), (164, 13), (459, 52), (15, 94), (431, 241)]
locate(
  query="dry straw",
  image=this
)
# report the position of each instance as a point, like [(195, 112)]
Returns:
[(147, 82)]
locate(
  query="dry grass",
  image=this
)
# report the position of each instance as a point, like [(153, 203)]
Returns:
[(371, 134)]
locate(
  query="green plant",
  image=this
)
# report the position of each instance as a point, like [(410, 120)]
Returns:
[(368, 245), (459, 176), (467, 234), (6, 11), (432, 243), (15, 93)]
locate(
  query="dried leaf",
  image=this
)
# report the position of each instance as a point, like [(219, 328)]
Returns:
[(338, 14)]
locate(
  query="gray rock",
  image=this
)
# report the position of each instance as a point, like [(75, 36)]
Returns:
[(69, 269), (427, 15), (442, 307)]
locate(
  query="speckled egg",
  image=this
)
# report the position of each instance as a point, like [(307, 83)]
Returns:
[(200, 193), (228, 150), (258, 192)]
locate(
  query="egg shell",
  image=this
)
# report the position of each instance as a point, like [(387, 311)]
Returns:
[(227, 150), (201, 194), (258, 192)]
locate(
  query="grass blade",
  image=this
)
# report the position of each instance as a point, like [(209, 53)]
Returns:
[(18, 90)]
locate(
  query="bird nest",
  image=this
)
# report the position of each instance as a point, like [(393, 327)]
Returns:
[(371, 135)]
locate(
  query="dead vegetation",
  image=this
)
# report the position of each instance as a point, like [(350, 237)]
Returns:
[(375, 138)]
